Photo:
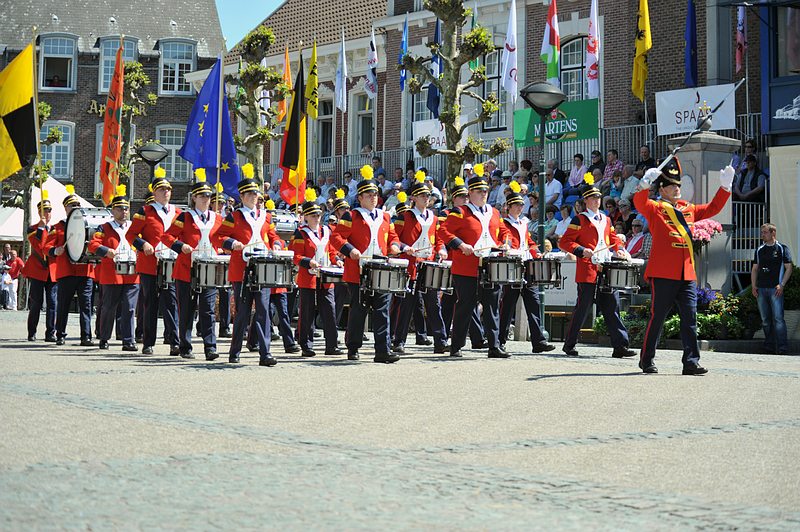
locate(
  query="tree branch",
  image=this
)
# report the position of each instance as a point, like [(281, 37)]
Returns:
[(474, 96)]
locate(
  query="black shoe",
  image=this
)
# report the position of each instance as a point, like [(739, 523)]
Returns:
[(309, 354), (174, 350), (50, 338), (294, 348), (148, 350), (623, 352), (87, 342), (130, 347), (31, 338), (335, 352), (352, 355), (188, 355), (498, 352), (386, 358), (275, 337), (649, 368), (398, 348), (457, 354), (60, 341), (103, 344), (224, 333), (268, 361), (211, 353), (424, 341), (570, 352), (252, 348), (317, 334), (233, 359), (482, 345), (694, 370), (543, 347), (441, 349)]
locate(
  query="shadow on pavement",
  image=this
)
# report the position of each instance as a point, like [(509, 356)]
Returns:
[(541, 377)]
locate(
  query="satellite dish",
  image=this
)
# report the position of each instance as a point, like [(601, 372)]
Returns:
[(687, 188)]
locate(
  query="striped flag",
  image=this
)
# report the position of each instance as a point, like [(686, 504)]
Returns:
[(403, 52), (371, 86), (287, 79), (112, 131), (741, 37), (475, 62), (593, 54), (551, 45), (644, 41), (510, 54), (341, 79), (312, 86)]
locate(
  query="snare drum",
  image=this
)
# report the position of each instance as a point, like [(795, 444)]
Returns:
[(271, 271), (125, 267), (164, 276), (329, 275), (435, 276), (210, 272), (385, 276), (545, 271), (502, 270), (621, 275), (81, 225)]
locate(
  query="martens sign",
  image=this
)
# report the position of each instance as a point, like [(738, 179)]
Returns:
[(571, 121)]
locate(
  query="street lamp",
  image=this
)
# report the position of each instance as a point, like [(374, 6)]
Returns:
[(544, 98), (152, 153)]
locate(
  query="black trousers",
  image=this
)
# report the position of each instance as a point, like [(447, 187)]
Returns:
[(666, 293), (190, 301), (508, 306), (448, 303), (156, 299), (608, 304), (312, 302), (117, 296), (68, 287), (433, 315), (37, 292), (341, 295), (244, 298), (280, 302), (224, 317), (468, 295), (360, 307)]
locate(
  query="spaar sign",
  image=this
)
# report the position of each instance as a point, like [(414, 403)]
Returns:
[(678, 111)]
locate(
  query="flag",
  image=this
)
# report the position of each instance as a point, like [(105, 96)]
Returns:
[(593, 54), (403, 52), (551, 45), (18, 117), (203, 129), (293, 151), (341, 79), (741, 37), (690, 51), (312, 87), (475, 62), (644, 41), (112, 131), (264, 101), (436, 70), (371, 86), (287, 79), (510, 54)]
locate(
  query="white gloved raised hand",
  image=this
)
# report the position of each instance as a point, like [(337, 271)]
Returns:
[(726, 177), (650, 176)]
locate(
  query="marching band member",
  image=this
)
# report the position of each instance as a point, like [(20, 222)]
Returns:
[(218, 205), (145, 234), (341, 294), (110, 242), (471, 232), (366, 231), (148, 200), (397, 301), (254, 229), (521, 242), (312, 251), (41, 273), (417, 234), (71, 278), (192, 234), (591, 238), (671, 268)]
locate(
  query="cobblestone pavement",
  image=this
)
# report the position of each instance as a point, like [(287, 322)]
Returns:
[(106, 440)]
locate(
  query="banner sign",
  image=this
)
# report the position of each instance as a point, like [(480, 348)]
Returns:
[(433, 129), (571, 121), (678, 111)]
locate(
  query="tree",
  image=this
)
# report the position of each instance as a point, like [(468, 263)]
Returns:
[(455, 55), (135, 101)]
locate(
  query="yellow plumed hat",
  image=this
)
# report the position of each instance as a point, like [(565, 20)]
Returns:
[(588, 178), (70, 188), (478, 169), (247, 171), (339, 194), (200, 175), (419, 176), (402, 197), (269, 205), (311, 194), (159, 172), (514, 186), (367, 172), (459, 181)]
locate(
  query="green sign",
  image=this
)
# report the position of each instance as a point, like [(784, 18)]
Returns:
[(571, 121)]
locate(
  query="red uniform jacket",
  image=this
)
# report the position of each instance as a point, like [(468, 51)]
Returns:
[(38, 266), (352, 232), (670, 257), (148, 226), (184, 230), (408, 230), (236, 229), (16, 267), (581, 234), (305, 250), (462, 226), (514, 239), (104, 239), (64, 266)]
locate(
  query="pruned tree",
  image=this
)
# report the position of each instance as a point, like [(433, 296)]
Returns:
[(456, 52), (135, 101)]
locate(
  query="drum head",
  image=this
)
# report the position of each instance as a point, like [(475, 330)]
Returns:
[(75, 242)]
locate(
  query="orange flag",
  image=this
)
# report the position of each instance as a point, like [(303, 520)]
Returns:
[(112, 132), (287, 78)]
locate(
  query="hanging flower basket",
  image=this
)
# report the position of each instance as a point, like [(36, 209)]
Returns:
[(703, 231)]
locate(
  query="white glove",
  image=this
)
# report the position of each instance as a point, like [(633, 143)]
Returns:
[(650, 176), (726, 177)]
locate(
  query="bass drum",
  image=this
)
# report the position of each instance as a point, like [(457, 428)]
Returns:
[(81, 226)]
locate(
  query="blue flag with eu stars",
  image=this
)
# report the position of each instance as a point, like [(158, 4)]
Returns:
[(200, 146)]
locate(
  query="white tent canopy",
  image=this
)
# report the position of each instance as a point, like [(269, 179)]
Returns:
[(11, 224), (56, 192)]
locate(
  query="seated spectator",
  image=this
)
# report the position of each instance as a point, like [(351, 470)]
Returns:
[(619, 228), (751, 184), (576, 174), (631, 183), (612, 163), (377, 166), (559, 174), (638, 245), (626, 214), (526, 170), (552, 189), (616, 185), (646, 162), (611, 209), (566, 218), (513, 167), (597, 162), (579, 206), (550, 221)]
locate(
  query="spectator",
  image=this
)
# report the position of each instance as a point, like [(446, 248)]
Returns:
[(751, 184), (631, 182), (503, 188), (491, 169), (494, 192), (436, 194), (330, 184), (559, 174), (367, 149), (398, 175), (597, 162), (377, 166), (15, 265), (526, 170), (616, 185), (611, 209), (513, 167), (612, 163), (739, 160), (639, 243), (772, 268), (383, 185), (579, 206), (550, 223), (56, 81), (391, 200), (409, 180), (566, 218), (526, 203), (467, 172), (619, 228), (626, 215), (576, 174), (6, 253), (645, 162), (552, 189)]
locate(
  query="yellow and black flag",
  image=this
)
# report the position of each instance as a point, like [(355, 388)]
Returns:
[(644, 41), (17, 114)]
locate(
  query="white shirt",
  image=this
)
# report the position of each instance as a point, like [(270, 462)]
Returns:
[(561, 227), (552, 188)]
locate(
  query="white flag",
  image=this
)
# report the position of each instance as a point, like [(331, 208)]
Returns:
[(510, 55), (265, 101), (593, 54), (371, 86), (341, 79)]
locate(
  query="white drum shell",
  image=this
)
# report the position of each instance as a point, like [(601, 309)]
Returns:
[(80, 227), (436, 276), (385, 278), (271, 272), (543, 272), (620, 277), (211, 273), (330, 275), (503, 270), (125, 267), (165, 268)]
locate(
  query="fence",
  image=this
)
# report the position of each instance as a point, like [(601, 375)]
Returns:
[(747, 218)]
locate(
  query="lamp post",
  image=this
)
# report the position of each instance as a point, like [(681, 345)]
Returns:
[(152, 153), (543, 98)]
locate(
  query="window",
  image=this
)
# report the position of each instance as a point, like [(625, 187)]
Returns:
[(364, 123), (177, 60), (788, 38), (171, 138), (498, 120), (419, 106), (573, 72), (325, 129), (108, 58), (61, 153), (98, 147), (57, 68)]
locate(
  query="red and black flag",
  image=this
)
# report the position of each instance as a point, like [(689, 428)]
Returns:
[(293, 154)]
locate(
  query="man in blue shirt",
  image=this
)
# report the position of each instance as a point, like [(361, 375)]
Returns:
[(772, 268)]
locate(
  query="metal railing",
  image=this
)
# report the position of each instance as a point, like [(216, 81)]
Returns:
[(748, 218)]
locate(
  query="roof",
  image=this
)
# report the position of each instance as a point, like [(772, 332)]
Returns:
[(148, 20), (290, 22)]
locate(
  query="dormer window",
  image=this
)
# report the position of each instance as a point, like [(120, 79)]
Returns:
[(108, 58), (58, 65), (178, 58)]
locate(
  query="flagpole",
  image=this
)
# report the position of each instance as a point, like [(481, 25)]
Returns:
[(383, 129), (38, 164), (747, 91), (219, 126)]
